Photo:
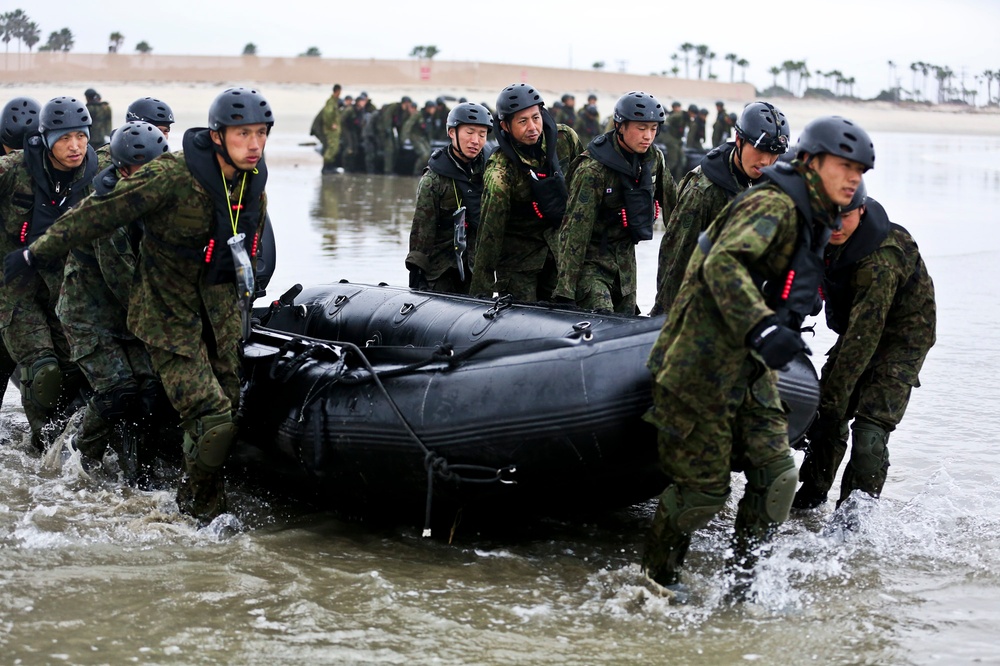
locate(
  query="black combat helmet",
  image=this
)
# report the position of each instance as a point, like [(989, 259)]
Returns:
[(150, 110), (468, 113), (859, 199), (239, 106), (135, 143), (20, 118), (516, 97), (639, 106), (61, 113), (764, 127), (837, 136)]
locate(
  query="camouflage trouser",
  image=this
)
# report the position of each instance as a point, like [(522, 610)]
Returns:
[(698, 453), (879, 399), (332, 147), (595, 292), (204, 385), (449, 282), (7, 366), (676, 162), (529, 286), (33, 333)]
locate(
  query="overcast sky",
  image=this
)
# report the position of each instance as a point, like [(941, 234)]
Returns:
[(857, 37)]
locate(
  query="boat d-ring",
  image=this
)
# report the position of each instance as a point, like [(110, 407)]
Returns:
[(505, 474), (407, 308), (301, 311), (582, 329)]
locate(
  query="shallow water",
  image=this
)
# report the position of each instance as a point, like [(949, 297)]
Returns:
[(95, 572)]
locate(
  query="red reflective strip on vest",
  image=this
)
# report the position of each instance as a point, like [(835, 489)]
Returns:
[(24, 232), (253, 250), (208, 250), (538, 212), (624, 218), (788, 285)]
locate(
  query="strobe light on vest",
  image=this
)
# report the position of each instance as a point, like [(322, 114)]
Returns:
[(788, 285)]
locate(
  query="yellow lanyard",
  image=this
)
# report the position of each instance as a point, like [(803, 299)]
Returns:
[(235, 220)]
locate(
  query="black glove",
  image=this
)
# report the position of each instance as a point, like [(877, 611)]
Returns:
[(775, 343), (17, 263), (418, 280)]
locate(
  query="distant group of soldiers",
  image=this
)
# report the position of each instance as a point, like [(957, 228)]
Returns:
[(753, 246)]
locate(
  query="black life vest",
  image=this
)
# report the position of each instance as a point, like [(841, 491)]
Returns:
[(797, 295), (715, 166), (872, 230), (640, 208), (469, 182), (200, 158), (548, 190), (48, 204)]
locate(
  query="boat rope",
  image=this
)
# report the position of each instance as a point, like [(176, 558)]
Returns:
[(435, 464)]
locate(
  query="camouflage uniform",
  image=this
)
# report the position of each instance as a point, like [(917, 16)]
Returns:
[(715, 403), (880, 299), (28, 321), (721, 126), (417, 130), (189, 323), (696, 134), (588, 124), (391, 118), (673, 135), (445, 186), (514, 244), (352, 145), (327, 130), (701, 196), (93, 307), (596, 251), (100, 128)]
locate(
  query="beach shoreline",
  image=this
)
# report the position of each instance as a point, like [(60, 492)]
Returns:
[(295, 104)]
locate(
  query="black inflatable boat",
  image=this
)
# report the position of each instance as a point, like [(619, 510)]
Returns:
[(372, 399)]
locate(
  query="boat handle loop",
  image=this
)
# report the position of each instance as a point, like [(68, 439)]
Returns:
[(502, 303)]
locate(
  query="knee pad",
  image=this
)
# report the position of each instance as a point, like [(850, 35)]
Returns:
[(774, 485), (115, 404), (207, 440), (869, 448), (41, 383), (689, 510)]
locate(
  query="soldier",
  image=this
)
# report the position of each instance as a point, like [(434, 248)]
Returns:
[(204, 211), (326, 128), (761, 136), (715, 400), (449, 194), (567, 114), (352, 152), (616, 192), (880, 301), (93, 306), (100, 114), (153, 111), (588, 124), (720, 128), (524, 198), (696, 131), (439, 124), (18, 119), (53, 172), (417, 131), (673, 136), (392, 117)]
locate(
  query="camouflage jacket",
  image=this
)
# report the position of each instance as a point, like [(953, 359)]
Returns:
[(701, 351), (702, 194), (432, 234), (418, 126), (171, 293), (592, 233), (886, 312), (507, 240), (100, 123), (675, 125), (17, 215)]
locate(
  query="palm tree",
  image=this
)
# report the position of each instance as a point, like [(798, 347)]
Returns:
[(914, 68), (31, 34), (115, 41), (804, 79), (850, 86), (774, 71), (143, 47), (250, 49), (702, 51), (732, 57), (313, 52), (788, 67), (59, 41), (686, 49), (989, 75), (743, 63), (674, 68), (711, 57)]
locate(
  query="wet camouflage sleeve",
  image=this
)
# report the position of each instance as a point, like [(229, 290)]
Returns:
[(431, 238), (698, 203), (586, 192), (117, 262), (497, 181), (890, 328)]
